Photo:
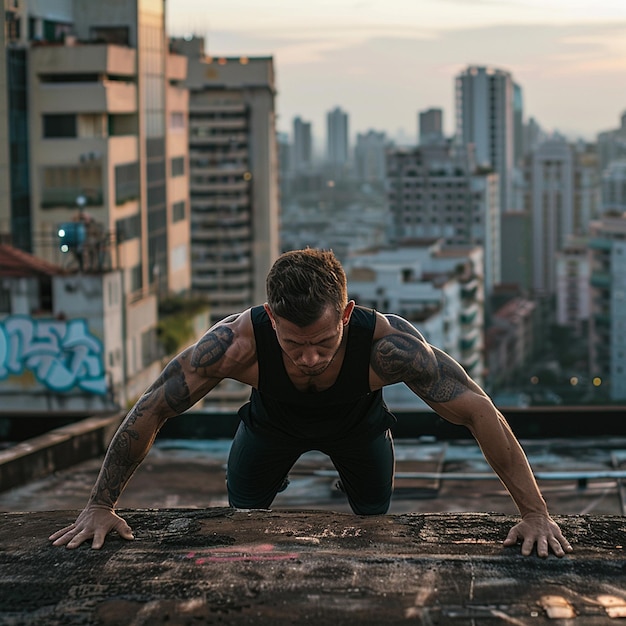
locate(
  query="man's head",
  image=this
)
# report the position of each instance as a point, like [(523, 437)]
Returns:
[(302, 284)]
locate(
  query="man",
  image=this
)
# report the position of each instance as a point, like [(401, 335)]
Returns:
[(317, 364)]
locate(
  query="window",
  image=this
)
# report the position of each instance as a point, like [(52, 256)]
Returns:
[(5, 298), (177, 120), (178, 166), (178, 211), (59, 125), (126, 182)]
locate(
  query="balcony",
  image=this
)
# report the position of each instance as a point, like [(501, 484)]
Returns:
[(600, 244), (84, 59), (96, 97), (601, 280)]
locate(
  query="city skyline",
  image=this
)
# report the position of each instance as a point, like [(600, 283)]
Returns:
[(383, 67)]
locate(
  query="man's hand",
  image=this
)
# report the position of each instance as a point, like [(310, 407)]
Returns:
[(95, 522), (541, 530)]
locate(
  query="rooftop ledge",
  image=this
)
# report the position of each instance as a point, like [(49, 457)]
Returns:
[(218, 565)]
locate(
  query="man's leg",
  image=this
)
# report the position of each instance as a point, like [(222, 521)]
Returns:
[(257, 468), (366, 471)]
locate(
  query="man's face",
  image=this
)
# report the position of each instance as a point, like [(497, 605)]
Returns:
[(312, 348)]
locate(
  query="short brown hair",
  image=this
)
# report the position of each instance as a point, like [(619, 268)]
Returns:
[(303, 283)]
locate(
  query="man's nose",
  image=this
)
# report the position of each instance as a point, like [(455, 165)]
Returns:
[(309, 357)]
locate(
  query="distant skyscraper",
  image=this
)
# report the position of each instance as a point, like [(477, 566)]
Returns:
[(430, 126), (337, 141), (485, 118), (561, 197), (302, 144), (369, 156), (612, 144), (518, 125)]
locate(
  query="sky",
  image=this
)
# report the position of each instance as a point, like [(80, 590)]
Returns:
[(383, 61)]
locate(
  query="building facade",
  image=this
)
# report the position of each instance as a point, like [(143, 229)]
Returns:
[(435, 191), (485, 118), (234, 176), (607, 321)]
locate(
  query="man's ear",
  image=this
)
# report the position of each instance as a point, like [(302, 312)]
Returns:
[(266, 306), (347, 312)]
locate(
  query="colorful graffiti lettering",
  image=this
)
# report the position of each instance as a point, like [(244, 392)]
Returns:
[(61, 354), (260, 552)]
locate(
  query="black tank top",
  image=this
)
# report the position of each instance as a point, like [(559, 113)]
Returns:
[(348, 408)]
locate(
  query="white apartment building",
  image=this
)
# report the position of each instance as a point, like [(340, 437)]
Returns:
[(435, 192), (562, 196), (369, 156), (438, 288), (485, 118), (607, 322)]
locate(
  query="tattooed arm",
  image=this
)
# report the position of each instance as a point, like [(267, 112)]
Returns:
[(224, 351), (401, 354)]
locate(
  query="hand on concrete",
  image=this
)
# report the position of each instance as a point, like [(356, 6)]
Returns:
[(95, 522), (542, 530)]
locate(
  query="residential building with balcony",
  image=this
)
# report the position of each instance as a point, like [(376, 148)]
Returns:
[(607, 321), (102, 141), (437, 191), (572, 286), (438, 288), (233, 176)]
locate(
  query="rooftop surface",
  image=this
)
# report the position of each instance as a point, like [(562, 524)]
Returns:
[(219, 566), (437, 558)]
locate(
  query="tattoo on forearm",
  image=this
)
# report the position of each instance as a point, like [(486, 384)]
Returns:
[(212, 347), (117, 469)]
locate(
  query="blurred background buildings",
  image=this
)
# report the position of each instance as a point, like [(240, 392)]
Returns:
[(145, 192)]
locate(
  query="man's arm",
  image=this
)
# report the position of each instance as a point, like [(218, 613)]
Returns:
[(186, 379), (404, 355)]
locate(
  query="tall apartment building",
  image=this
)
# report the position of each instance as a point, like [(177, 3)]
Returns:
[(337, 138), (302, 151), (99, 137), (234, 176), (430, 126), (485, 118), (435, 191), (562, 196), (607, 322)]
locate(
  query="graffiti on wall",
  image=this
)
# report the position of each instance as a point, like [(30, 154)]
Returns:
[(62, 354)]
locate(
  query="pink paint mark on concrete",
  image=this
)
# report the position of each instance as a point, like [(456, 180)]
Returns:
[(230, 554)]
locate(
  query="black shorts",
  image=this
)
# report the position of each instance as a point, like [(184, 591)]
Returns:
[(259, 462)]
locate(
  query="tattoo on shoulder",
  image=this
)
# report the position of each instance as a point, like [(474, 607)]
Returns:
[(406, 357), (212, 347)]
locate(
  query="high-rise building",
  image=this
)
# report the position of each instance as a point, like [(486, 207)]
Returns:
[(337, 138), (485, 115), (562, 198), (435, 192), (302, 152), (572, 285), (612, 144), (99, 167), (607, 339), (430, 126), (614, 187), (234, 176), (369, 156)]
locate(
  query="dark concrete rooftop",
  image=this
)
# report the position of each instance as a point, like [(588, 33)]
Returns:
[(434, 560), (220, 566)]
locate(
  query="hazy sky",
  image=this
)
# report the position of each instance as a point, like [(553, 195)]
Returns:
[(384, 60)]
